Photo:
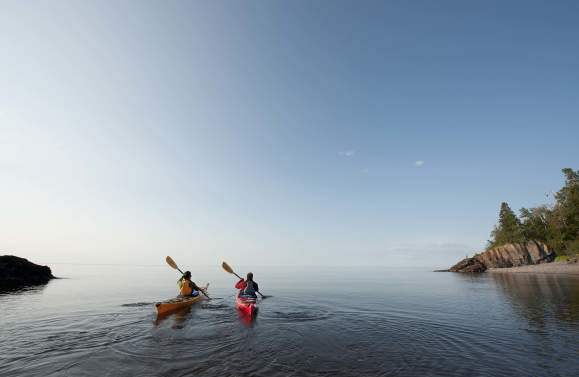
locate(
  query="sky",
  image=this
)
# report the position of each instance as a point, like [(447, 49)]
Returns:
[(382, 133)]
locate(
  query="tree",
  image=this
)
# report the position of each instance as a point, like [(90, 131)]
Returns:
[(508, 230), (535, 223), (566, 214), (557, 226)]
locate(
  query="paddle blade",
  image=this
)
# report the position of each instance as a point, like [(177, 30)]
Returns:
[(227, 268), (171, 262)]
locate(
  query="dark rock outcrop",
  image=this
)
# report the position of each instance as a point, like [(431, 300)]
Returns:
[(18, 272), (468, 265), (509, 255), (515, 255)]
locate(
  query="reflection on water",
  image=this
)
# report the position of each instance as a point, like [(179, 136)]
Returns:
[(246, 320), (178, 317), (539, 297), (23, 290), (376, 323)]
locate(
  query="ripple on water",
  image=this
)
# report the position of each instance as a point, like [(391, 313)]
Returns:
[(288, 312), (290, 337), (65, 339), (137, 304)]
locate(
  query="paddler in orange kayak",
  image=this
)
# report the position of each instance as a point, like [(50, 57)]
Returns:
[(187, 288), (247, 288)]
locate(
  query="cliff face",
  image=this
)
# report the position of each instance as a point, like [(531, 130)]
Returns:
[(509, 255), (18, 272), (514, 255), (468, 265)]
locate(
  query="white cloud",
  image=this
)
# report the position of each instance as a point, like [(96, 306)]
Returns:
[(348, 153), (418, 163), (365, 171)]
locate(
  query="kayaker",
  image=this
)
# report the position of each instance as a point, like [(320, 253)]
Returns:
[(187, 288), (247, 287)]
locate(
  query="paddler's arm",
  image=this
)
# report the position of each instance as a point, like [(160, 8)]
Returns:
[(240, 284), (195, 287), (202, 290)]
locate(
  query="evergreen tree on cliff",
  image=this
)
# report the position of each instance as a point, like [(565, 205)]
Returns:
[(538, 223), (556, 225), (508, 230), (566, 214)]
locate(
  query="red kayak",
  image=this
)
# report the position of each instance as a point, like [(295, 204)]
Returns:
[(247, 306)]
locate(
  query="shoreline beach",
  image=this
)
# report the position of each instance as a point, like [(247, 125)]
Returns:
[(545, 268)]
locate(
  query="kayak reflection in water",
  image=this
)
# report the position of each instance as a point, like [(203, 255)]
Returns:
[(248, 287), (187, 288)]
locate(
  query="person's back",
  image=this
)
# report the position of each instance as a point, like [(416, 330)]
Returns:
[(247, 287), (186, 286)]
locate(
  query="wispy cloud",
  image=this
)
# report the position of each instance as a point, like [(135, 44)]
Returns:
[(348, 153), (365, 171), (418, 163)]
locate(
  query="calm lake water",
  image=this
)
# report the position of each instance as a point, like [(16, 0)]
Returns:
[(100, 321)]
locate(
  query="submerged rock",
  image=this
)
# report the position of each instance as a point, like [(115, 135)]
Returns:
[(509, 255), (18, 272)]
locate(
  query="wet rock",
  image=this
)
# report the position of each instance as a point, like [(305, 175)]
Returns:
[(468, 265), (18, 272), (509, 255)]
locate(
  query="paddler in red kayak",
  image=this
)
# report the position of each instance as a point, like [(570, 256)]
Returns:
[(187, 288), (247, 288)]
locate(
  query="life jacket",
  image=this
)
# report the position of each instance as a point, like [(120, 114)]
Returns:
[(249, 289), (185, 287)]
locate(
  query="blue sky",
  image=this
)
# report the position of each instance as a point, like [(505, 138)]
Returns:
[(270, 132)]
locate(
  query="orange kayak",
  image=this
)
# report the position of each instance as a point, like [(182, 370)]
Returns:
[(174, 304)]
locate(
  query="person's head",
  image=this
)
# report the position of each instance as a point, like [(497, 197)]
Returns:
[(187, 275), (250, 276)]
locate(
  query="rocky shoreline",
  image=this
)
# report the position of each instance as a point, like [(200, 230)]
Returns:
[(506, 256), (563, 268), (530, 257), (16, 272)]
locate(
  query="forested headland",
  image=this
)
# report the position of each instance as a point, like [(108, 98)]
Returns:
[(556, 224)]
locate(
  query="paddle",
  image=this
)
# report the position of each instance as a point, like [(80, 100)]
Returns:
[(228, 268), (173, 265)]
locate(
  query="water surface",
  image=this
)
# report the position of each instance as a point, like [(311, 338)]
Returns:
[(100, 321)]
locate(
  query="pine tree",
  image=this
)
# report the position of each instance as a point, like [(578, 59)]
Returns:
[(557, 225), (508, 230), (566, 214), (536, 223)]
